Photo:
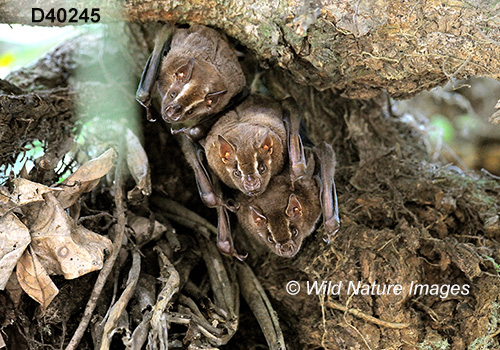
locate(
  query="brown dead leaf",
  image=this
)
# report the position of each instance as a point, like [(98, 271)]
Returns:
[(142, 229), (26, 191), (14, 290), (85, 178), (4, 195), (495, 118), (35, 280), (62, 246), (14, 238), (6, 204), (138, 164)]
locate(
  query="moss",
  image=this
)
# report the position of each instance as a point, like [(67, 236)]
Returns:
[(434, 345)]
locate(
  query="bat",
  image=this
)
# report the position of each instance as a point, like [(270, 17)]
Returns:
[(211, 196), (197, 74), (282, 217), (248, 145)]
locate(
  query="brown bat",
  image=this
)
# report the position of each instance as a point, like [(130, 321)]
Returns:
[(197, 73), (244, 149), (211, 196), (282, 217), (248, 145)]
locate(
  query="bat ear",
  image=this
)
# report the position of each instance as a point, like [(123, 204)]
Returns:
[(212, 98), (294, 208), (226, 149), (266, 145), (184, 72), (257, 217)]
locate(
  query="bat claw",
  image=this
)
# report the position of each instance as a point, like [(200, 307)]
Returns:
[(231, 205), (298, 171), (332, 226), (227, 248), (239, 256)]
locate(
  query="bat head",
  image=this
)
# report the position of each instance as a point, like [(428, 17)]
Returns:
[(193, 91), (281, 218), (248, 163)]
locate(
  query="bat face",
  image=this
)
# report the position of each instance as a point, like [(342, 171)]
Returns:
[(247, 146), (192, 91), (248, 165), (281, 218)]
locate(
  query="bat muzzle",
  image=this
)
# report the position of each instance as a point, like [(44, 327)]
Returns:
[(252, 185), (172, 113), (287, 249)]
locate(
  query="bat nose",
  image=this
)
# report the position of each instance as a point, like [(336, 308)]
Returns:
[(286, 249), (173, 113), (251, 183)]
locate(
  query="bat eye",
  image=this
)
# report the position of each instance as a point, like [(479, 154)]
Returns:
[(190, 112), (173, 94), (295, 232), (269, 239), (262, 168), (237, 173)]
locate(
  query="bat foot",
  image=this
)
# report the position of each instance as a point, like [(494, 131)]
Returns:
[(240, 257), (332, 226), (297, 172), (231, 205), (149, 115), (227, 248)]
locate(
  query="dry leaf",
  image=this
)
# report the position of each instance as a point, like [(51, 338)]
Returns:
[(138, 164), (495, 118), (34, 279), (85, 178), (26, 191), (14, 290), (4, 195), (5, 203), (14, 238), (62, 246), (141, 227)]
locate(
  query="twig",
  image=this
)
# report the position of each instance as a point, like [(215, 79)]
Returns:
[(432, 314), (194, 291), (121, 304), (363, 316), (170, 233), (108, 264), (186, 222), (256, 298), (140, 334), (219, 280), (197, 315), (158, 319), (183, 215)]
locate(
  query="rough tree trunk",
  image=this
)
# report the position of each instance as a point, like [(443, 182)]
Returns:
[(403, 218)]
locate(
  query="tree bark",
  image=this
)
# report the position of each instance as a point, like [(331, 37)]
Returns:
[(358, 48)]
